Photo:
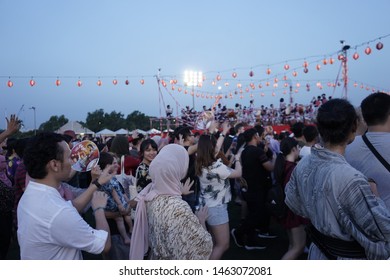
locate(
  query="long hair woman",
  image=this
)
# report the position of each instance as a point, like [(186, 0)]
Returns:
[(215, 191)]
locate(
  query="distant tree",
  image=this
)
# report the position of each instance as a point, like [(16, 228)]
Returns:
[(137, 120), (99, 120), (95, 120), (114, 120), (53, 124)]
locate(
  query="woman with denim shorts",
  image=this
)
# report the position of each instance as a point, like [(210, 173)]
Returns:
[(215, 191)]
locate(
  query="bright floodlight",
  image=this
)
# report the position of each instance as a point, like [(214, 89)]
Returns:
[(192, 78)]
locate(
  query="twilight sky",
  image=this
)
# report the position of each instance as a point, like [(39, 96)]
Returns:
[(124, 40)]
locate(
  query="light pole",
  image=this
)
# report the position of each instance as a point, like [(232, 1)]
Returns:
[(193, 78), (35, 119)]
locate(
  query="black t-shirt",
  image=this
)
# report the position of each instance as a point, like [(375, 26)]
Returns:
[(253, 172)]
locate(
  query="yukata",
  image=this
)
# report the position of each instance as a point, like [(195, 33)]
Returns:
[(339, 203)]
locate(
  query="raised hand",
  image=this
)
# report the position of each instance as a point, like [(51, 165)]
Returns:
[(185, 188)]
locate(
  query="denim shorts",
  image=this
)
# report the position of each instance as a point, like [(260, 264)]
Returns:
[(218, 215)]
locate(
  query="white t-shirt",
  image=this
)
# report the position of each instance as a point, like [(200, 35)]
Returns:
[(50, 228), (305, 151), (215, 185)]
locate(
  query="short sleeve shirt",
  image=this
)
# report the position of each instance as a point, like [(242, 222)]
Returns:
[(214, 185)]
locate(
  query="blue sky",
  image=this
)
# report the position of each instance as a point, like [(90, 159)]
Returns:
[(132, 39)]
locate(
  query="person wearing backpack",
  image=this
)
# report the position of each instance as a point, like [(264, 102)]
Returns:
[(294, 224)]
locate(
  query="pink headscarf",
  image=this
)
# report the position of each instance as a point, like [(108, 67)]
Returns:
[(3, 172), (166, 171)]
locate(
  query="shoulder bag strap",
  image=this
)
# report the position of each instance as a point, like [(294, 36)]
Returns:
[(375, 152)]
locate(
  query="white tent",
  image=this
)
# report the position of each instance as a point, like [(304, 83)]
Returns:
[(105, 132), (140, 131), (76, 127), (153, 131), (122, 131)]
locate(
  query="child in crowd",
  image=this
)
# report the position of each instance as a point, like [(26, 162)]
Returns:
[(118, 207)]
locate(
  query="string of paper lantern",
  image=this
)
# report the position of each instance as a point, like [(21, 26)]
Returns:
[(285, 72)]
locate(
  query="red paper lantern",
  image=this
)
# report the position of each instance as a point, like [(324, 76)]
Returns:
[(305, 64), (268, 71), (179, 89), (234, 75), (331, 60), (379, 46), (127, 82), (218, 77), (32, 82), (114, 82), (340, 56), (355, 56), (99, 83), (163, 83), (262, 94), (367, 50), (294, 73), (10, 83), (318, 67), (58, 82), (79, 83), (286, 67), (142, 81), (324, 61), (251, 74)]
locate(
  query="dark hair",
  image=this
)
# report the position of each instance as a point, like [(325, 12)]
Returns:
[(249, 133), (286, 147), (376, 108), (136, 140), (297, 129), (205, 155), (20, 146), (238, 126), (310, 133), (105, 159), (10, 145), (40, 150), (260, 129), (145, 144), (67, 138), (120, 145), (184, 131), (336, 119)]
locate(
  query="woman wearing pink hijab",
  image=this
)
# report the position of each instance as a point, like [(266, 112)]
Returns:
[(164, 222)]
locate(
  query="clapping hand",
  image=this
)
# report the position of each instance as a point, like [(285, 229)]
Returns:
[(185, 188)]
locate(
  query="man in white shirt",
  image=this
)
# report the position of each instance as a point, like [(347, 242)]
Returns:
[(48, 226)]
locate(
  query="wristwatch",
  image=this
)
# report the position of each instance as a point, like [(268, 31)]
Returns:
[(97, 184)]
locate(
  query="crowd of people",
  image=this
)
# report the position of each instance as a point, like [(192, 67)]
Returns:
[(168, 197), (272, 115)]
